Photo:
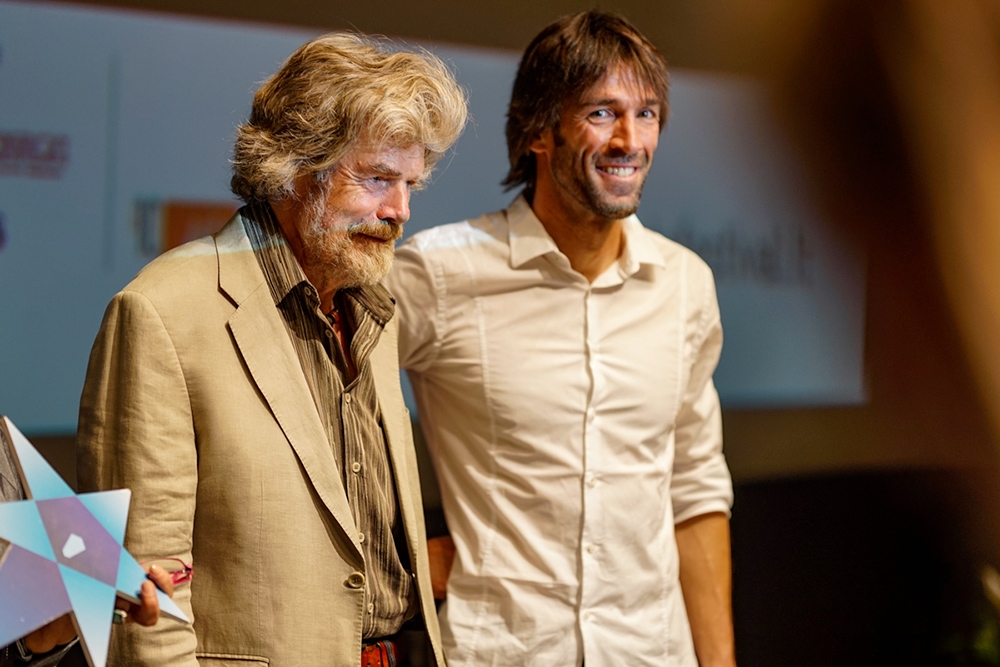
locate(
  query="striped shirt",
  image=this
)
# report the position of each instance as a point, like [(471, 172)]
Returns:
[(10, 482), (343, 389)]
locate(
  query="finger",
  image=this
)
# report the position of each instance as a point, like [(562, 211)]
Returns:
[(163, 580), (148, 612)]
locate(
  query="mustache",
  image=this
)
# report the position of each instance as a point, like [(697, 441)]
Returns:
[(379, 229)]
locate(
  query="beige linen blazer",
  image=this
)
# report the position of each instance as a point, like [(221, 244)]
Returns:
[(195, 400)]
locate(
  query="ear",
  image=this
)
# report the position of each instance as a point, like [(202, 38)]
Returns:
[(288, 210), (543, 143), (303, 186)]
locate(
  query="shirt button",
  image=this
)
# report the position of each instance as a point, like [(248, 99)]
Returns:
[(347, 398), (356, 467), (355, 580), (361, 538), (591, 479), (371, 608), (591, 549), (591, 413), (329, 334), (587, 615)]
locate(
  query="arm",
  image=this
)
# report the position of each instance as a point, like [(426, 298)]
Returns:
[(136, 431), (705, 574), (441, 554), (702, 493), (419, 309)]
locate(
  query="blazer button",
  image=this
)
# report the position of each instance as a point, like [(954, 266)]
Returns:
[(355, 580)]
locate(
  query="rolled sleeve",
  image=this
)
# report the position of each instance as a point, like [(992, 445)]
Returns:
[(701, 481)]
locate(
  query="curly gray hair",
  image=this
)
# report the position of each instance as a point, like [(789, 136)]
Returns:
[(335, 91)]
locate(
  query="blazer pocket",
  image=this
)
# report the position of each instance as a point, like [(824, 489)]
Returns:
[(230, 660)]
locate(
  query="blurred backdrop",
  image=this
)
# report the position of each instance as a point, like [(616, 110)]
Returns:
[(836, 161)]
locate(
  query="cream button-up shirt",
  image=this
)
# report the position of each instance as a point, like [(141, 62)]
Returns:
[(571, 424)]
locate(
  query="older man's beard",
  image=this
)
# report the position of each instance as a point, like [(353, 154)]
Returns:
[(346, 257)]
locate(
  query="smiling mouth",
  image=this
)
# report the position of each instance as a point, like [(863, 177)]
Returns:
[(618, 171)]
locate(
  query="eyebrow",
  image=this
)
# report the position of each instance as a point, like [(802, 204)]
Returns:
[(649, 102), (382, 169)]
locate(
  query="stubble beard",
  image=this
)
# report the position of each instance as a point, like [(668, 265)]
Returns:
[(582, 186), (344, 257)]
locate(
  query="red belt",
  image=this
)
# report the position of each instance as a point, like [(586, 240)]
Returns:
[(379, 654)]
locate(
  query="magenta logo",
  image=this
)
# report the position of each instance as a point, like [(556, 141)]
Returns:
[(33, 154)]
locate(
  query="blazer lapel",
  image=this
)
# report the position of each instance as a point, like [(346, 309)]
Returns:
[(263, 343), (398, 432)]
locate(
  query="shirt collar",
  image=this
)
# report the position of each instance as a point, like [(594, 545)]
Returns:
[(373, 299), (280, 266), (528, 240)]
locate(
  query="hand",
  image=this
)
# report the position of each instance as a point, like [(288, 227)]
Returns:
[(62, 631), (441, 553), (148, 611), (58, 632)]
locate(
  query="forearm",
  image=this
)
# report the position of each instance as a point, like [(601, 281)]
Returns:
[(706, 581)]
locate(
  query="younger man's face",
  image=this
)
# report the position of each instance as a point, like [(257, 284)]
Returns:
[(600, 152)]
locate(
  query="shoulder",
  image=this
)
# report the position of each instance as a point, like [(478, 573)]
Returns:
[(180, 290), (175, 268), (453, 252), (487, 229), (676, 257), (196, 263)]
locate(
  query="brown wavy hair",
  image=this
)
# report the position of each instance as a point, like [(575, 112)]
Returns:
[(563, 61), (334, 92)]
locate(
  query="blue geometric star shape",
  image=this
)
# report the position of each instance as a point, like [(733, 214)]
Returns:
[(65, 555)]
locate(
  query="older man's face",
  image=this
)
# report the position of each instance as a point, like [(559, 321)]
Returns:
[(348, 236)]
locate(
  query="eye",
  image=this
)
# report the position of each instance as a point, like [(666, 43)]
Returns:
[(651, 114), (600, 113), (379, 182)]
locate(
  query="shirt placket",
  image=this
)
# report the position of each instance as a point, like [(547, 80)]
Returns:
[(592, 540)]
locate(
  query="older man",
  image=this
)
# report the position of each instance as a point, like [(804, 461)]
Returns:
[(245, 386), (562, 359)]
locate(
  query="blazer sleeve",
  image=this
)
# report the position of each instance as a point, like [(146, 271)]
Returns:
[(136, 432)]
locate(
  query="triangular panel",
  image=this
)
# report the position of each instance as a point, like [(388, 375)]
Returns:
[(21, 524), (93, 607), (33, 582), (40, 480), (110, 508)]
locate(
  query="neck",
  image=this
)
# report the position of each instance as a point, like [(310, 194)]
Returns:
[(286, 211), (590, 242)]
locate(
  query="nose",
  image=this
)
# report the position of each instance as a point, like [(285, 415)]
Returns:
[(395, 206), (625, 137)]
